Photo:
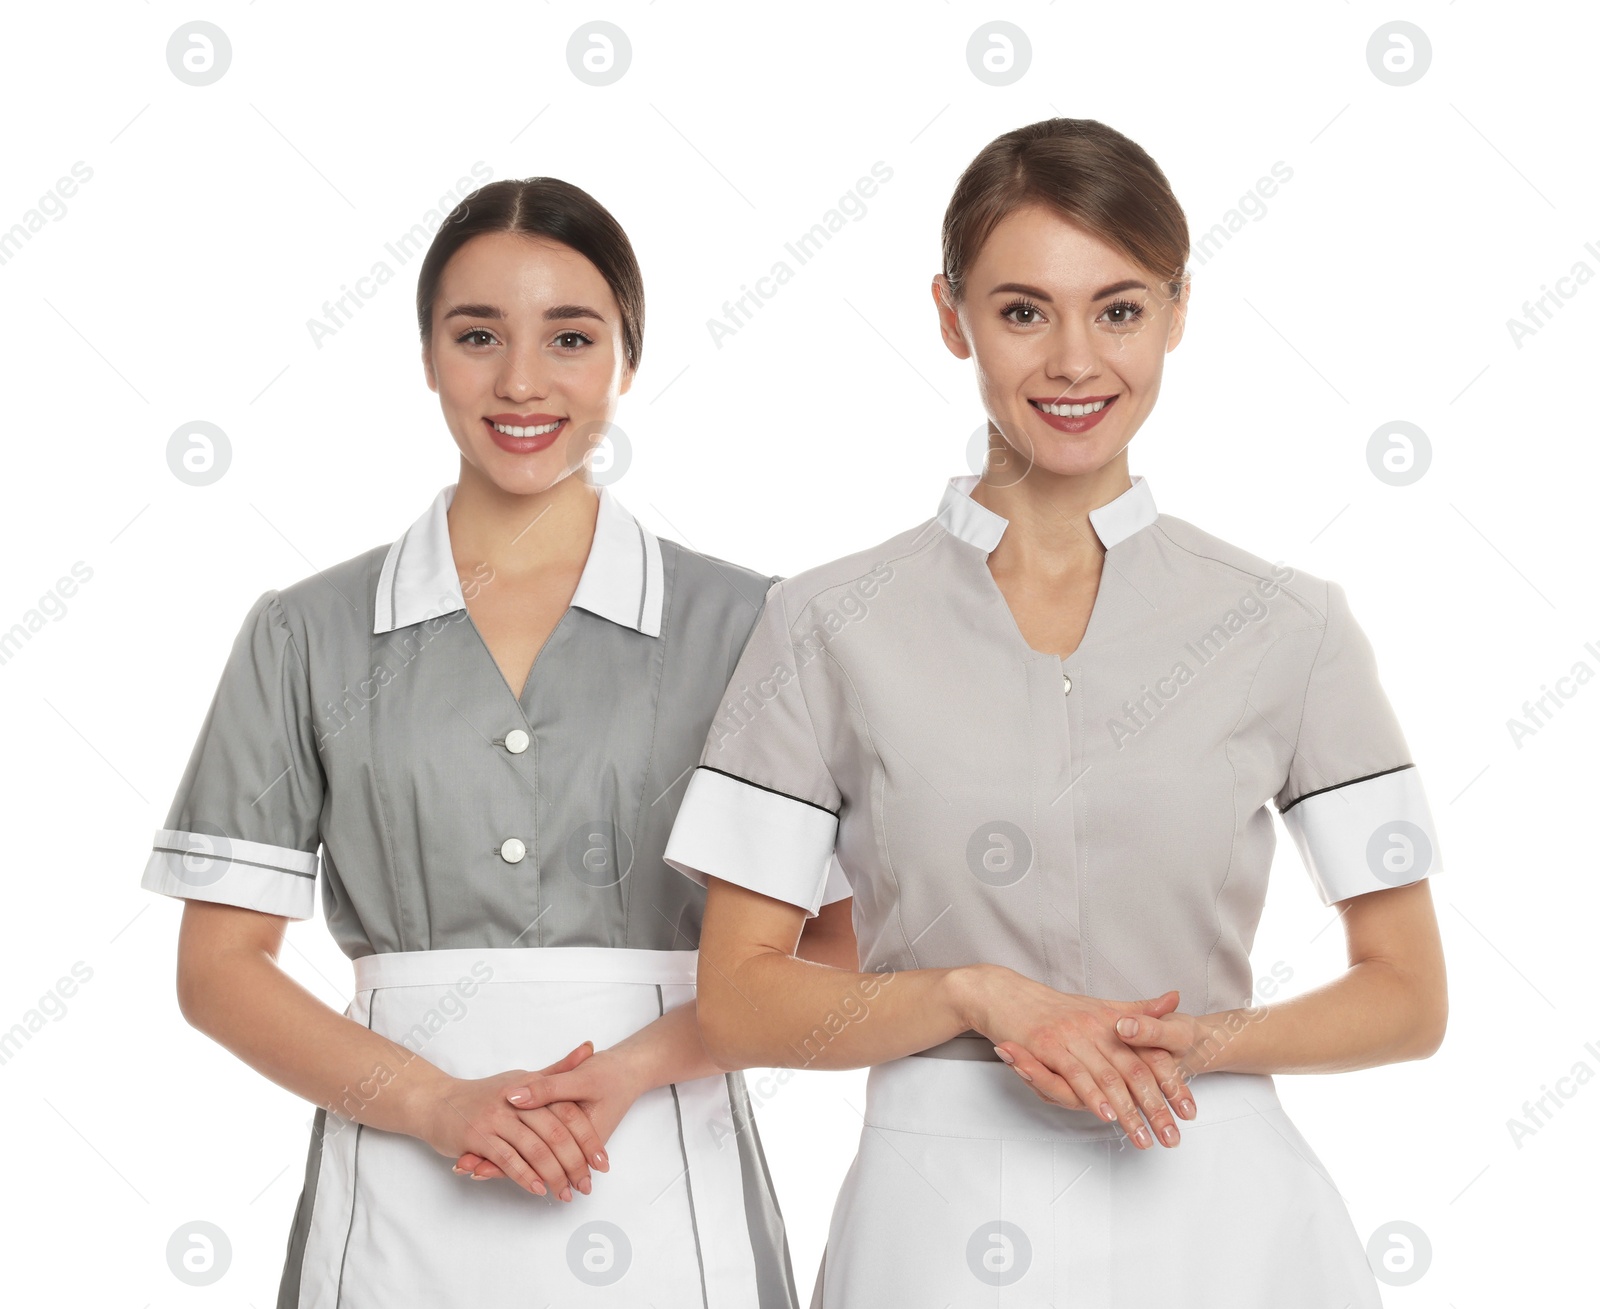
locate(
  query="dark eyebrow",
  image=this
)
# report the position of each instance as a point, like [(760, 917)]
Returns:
[(1037, 294), (552, 314)]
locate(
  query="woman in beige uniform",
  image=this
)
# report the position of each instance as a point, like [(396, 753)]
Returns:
[(1041, 732)]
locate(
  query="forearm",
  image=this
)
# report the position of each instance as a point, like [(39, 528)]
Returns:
[(773, 1010), (245, 1002), (1371, 1014)]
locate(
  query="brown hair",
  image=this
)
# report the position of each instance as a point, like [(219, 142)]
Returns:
[(551, 208), (1091, 175)]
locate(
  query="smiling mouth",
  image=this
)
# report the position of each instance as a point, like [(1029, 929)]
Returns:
[(508, 429), (1073, 410)]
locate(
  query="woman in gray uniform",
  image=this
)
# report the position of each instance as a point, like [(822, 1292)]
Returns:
[(485, 728), (1040, 732)]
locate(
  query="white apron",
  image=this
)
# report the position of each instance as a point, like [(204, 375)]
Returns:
[(967, 1189), (392, 1225)]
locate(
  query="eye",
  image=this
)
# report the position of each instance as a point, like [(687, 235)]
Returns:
[(574, 334), (475, 331), (1026, 306), (1131, 310)]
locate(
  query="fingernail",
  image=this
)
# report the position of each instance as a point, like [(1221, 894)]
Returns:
[(1127, 1026), (476, 1178), (516, 1097), (584, 1185), (601, 1160), (1141, 1138), (1108, 1113), (457, 1168), (539, 1188), (1024, 1076), (566, 1194), (1004, 1055), (1186, 1108), (1170, 1135)]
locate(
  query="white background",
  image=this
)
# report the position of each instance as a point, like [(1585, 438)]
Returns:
[(1375, 285)]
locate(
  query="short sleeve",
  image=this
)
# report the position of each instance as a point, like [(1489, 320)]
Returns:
[(1353, 800), (762, 809), (837, 886), (244, 826)]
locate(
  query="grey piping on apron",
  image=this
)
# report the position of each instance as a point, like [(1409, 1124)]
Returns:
[(688, 1182), (252, 863), (756, 1178), (300, 1228), (355, 1180)]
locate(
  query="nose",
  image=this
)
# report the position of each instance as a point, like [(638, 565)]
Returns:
[(1074, 353), (520, 378)]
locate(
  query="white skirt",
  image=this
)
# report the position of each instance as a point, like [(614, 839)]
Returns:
[(390, 1224), (968, 1189)]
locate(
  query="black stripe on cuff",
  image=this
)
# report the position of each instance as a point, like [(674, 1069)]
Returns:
[(772, 789), (1322, 789), (229, 859)]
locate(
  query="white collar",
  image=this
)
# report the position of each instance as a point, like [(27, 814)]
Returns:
[(1116, 520), (622, 578)]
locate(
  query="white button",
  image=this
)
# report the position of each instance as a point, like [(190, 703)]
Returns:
[(512, 850), (517, 740), (1066, 684)]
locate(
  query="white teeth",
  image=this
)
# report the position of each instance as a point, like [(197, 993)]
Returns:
[(527, 431), (1074, 411)]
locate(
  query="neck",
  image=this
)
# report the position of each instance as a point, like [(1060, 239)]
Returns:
[(521, 534), (1047, 517)]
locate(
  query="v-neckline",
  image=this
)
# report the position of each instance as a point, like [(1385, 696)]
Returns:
[(520, 697), (1030, 651)]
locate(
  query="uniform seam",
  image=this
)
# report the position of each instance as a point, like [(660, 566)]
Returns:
[(1242, 572), (1305, 690), (880, 830), (911, 552), (1233, 834), (659, 651)]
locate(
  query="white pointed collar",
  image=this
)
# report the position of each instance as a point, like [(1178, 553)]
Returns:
[(1116, 520), (622, 578)]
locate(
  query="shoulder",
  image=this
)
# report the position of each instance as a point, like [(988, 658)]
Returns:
[(701, 579), (341, 594), (1212, 564), (859, 573)]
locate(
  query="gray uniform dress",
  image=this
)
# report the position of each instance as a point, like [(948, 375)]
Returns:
[(1101, 823), (463, 830)]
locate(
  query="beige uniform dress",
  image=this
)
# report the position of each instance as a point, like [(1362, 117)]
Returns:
[(1101, 823)]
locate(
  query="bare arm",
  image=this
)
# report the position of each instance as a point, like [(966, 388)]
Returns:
[(1388, 1006), (231, 988)]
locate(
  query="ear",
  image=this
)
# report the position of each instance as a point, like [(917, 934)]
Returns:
[(944, 301), (1180, 315)]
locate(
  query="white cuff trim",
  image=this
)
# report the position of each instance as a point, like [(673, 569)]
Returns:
[(838, 887), (1366, 835), (272, 879), (761, 839)]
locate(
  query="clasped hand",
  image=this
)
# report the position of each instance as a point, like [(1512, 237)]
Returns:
[(543, 1129), (1125, 1060)]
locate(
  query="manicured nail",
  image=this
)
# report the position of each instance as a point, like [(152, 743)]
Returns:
[(600, 1159), (566, 1194), (1186, 1108), (476, 1178), (519, 1096), (584, 1185), (1108, 1113), (1024, 1076), (1170, 1135), (1127, 1026), (1004, 1055), (1141, 1138)]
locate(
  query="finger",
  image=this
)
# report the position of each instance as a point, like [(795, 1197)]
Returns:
[(1157, 1008), (468, 1161), (1105, 1076), (1080, 1079), (1141, 1029), (564, 1145), (532, 1094), (584, 1132), (1036, 1075), (570, 1061), (1147, 1095), (538, 1155), (508, 1155), (1173, 1080), (485, 1171)]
